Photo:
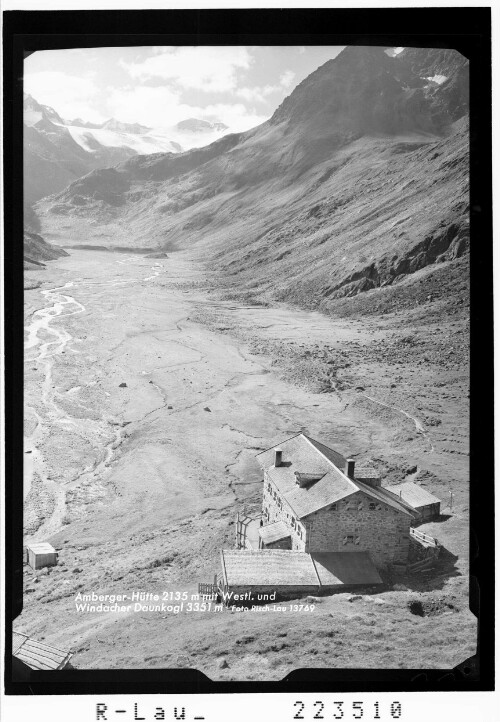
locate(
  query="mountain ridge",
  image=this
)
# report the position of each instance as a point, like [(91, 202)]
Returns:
[(197, 125), (313, 194), (57, 152)]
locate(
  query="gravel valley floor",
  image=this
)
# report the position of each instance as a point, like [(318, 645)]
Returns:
[(147, 398)]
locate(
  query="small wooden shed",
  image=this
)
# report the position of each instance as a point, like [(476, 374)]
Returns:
[(38, 655), (427, 505), (41, 554)]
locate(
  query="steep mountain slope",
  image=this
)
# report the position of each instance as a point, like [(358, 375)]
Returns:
[(358, 180), (51, 158)]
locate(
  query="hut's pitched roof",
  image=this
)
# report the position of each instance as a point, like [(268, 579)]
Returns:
[(267, 567), (41, 547), (413, 494), (345, 568), (366, 472), (384, 495), (280, 567), (38, 655), (308, 456)]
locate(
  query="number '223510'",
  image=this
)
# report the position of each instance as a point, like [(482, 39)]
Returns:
[(340, 710)]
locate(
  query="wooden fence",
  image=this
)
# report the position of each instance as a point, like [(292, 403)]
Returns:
[(210, 590), (423, 538)]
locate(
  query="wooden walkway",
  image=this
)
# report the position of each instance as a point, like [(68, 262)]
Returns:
[(247, 531), (38, 655), (425, 554)]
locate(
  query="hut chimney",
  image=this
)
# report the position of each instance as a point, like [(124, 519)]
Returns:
[(277, 457), (349, 468)]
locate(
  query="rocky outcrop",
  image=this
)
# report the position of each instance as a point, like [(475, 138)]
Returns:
[(444, 245), (37, 250), (450, 68)]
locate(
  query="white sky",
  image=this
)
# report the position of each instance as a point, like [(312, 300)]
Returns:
[(159, 86)]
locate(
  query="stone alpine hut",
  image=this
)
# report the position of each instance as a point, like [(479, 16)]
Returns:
[(314, 501)]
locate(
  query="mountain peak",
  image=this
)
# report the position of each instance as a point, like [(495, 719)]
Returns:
[(364, 90), (198, 125), (118, 126), (35, 112)]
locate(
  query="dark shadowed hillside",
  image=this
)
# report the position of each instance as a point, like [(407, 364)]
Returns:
[(37, 250), (358, 181)]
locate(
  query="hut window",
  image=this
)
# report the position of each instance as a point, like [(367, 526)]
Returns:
[(333, 507), (348, 539), (374, 507)]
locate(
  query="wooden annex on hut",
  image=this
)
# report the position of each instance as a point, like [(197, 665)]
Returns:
[(291, 574), (426, 504)]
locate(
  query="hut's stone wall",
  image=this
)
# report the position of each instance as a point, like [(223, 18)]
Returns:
[(274, 508), (360, 523), (357, 523)]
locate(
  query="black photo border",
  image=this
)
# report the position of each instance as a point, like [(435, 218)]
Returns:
[(467, 30)]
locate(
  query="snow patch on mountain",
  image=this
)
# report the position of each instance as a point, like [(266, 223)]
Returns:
[(439, 79), (142, 144)]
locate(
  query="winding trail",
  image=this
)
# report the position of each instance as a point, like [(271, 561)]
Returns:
[(418, 424)]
